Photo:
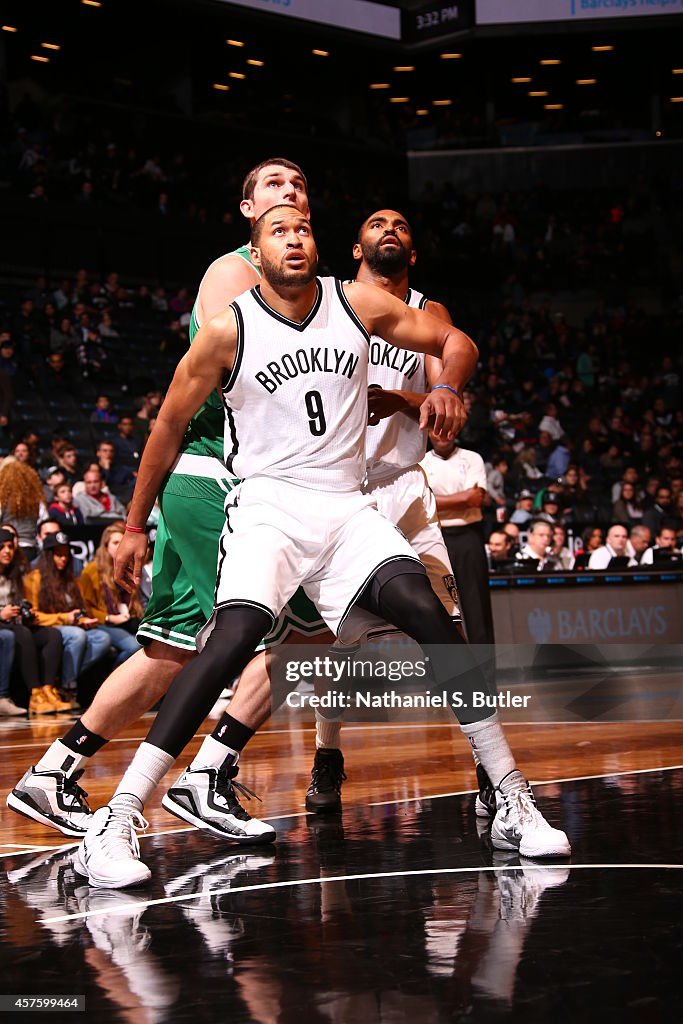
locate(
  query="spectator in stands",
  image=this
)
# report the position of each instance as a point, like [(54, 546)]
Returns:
[(550, 511), (629, 476), (639, 540), (499, 550), (495, 479), (627, 508), (67, 461), (550, 422), (559, 548), (8, 361), (22, 452), (660, 510), (511, 530), (45, 528), (8, 708), (119, 479), (91, 355), (56, 599), (536, 553), (96, 503), (127, 446), (592, 538), (524, 509), (21, 502), (103, 413), (53, 478), (39, 647), (117, 611), (559, 460), (54, 377), (63, 508), (615, 547), (665, 547)]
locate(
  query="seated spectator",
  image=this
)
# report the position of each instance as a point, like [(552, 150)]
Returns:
[(550, 423), (119, 479), (67, 461), (56, 599), (639, 540), (511, 530), (45, 528), (495, 479), (550, 511), (8, 361), (22, 453), (559, 460), (536, 555), (127, 446), (524, 509), (53, 477), (54, 377), (499, 550), (664, 552), (117, 611), (627, 508), (21, 502), (661, 509), (8, 708), (63, 508), (629, 476), (96, 503), (592, 538), (102, 413), (559, 548), (614, 553), (39, 647), (91, 356)]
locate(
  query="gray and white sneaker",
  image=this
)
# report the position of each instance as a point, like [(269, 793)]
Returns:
[(109, 855), (207, 798), (53, 798), (519, 825)]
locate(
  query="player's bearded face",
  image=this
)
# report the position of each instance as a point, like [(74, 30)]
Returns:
[(277, 270), (383, 257)]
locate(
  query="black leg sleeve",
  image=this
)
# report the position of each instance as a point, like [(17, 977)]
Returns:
[(408, 601), (236, 634)]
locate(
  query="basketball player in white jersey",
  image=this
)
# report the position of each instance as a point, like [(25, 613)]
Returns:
[(394, 447), (291, 359)]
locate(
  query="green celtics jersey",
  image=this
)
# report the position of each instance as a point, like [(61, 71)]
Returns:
[(204, 434)]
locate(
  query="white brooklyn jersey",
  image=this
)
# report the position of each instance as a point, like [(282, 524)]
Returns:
[(296, 399), (395, 443)]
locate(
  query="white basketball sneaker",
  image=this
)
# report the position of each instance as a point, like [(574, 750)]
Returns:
[(207, 798), (109, 855), (519, 825), (53, 798)]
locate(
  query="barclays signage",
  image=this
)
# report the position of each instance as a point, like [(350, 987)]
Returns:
[(606, 623)]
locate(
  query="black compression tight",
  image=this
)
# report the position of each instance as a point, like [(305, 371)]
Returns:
[(408, 601), (237, 632)]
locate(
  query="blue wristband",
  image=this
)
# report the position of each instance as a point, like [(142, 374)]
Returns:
[(446, 387)]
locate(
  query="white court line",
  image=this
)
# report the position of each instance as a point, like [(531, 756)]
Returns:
[(389, 803), (296, 882), (366, 727)]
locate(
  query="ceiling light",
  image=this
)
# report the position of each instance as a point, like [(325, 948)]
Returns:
[(441, 103), (601, 49), (256, 63), (50, 46), (236, 74), (380, 85), (42, 60), (234, 42), (586, 81), (518, 80), (9, 28), (220, 87), (421, 112), (538, 92), (91, 3), (553, 106), (550, 61), (321, 53), (450, 56), (674, 71), (399, 99), (676, 99), (406, 67)]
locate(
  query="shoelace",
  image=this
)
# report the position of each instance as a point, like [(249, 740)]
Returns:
[(324, 771), (226, 785), (523, 804), (120, 830), (79, 796)]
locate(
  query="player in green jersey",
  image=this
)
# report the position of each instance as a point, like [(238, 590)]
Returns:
[(184, 570)]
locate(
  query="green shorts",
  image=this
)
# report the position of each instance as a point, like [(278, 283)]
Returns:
[(184, 568)]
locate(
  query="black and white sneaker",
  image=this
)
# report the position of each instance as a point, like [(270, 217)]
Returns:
[(519, 825), (53, 798), (206, 798), (324, 792), (485, 800)]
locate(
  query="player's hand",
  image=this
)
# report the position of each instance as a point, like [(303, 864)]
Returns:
[(444, 413), (382, 404), (129, 560)]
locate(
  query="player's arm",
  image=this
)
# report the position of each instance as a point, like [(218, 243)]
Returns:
[(419, 331), (383, 403), (198, 373), (226, 278)]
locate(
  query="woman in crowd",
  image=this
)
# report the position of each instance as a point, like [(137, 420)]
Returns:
[(627, 508), (57, 601), (117, 612), (592, 538), (21, 502), (39, 647)]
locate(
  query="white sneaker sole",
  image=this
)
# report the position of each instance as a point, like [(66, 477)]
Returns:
[(15, 804), (557, 848), (142, 876), (185, 815)]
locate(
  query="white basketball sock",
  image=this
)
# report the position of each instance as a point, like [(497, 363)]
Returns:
[(56, 756), (145, 772), (212, 754), (327, 732), (488, 741)]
